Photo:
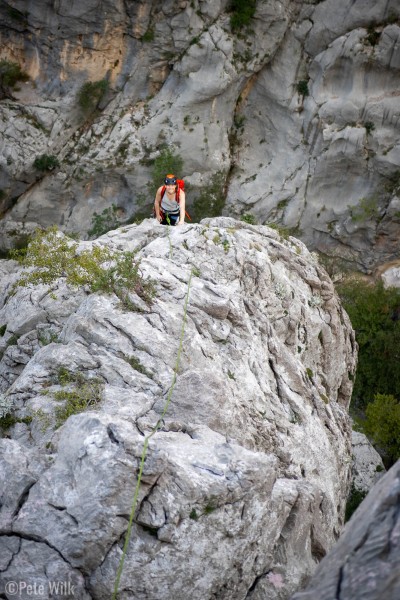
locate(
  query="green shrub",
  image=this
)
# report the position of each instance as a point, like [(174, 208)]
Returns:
[(211, 200), (166, 162), (84, 395), (366, 209), (137, 365), (148, 36), (372, 35), (91, 94), (10, 74), (302, 88), (46, 162), (382, 425), (100, 269), (375, 316), (3, 329), (353, 501), (105, 221), (249, 219), (369, 127), (7, 418), (242, 11)]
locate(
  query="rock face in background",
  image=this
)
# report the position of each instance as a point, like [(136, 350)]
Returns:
[(244, 486), (294, 119), (365, 563), (368, 467)]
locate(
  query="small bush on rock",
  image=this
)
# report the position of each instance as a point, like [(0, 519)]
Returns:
[(46, 162), (242, 11), (91, 94), (83, 395), (302, 88), (53, 255)]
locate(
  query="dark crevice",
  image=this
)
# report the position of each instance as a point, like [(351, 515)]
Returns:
[(112, 435), (12, 557), (255, 582), (339, 583), (64, 509), (39, 540), (23, 499)]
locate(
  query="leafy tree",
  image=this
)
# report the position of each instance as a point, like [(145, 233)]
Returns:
[(382, 424), (375, 315)]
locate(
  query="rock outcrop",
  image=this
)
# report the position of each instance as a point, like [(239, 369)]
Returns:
[(368, 467), (293, 118), (245, 483), (365, 563)]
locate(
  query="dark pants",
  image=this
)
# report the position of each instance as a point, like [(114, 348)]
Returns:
[(169, 219)]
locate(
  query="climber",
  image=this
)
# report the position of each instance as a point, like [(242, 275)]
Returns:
[(169, 203)]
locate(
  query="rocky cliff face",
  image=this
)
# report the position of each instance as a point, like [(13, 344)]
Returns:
[(365, 562), (293, 118), (244, 485)]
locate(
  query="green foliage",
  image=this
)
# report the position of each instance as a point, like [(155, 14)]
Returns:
[(105, 221), (7, 418), (382, 425), (366, 209), (242, 11), (149, 35), (302, 88), (3, 329), (372, 35), (12, 341), (353, 501), (10, 74), (91, 94), (101, 269), (166, 162), (46, 162), (196, 272), (193, 514), (211, 200), (284, 232), (137, 365), (369, 126), (249, 219), (47, 337), (375, 316), (84, 395)]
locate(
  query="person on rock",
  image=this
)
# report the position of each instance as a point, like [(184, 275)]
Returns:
[(169, 203)]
